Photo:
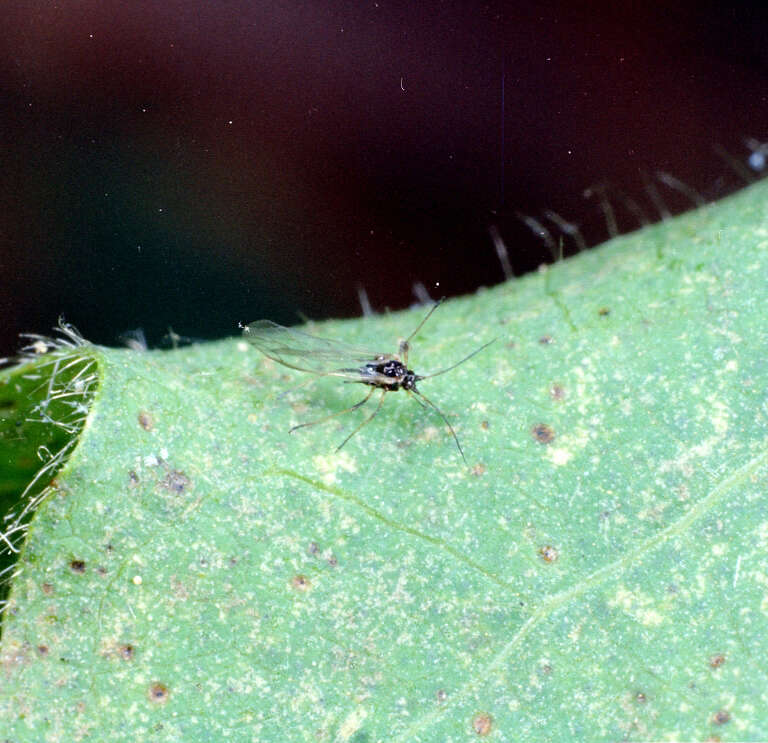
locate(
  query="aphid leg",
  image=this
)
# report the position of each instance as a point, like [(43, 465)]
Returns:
[(368, 419), (447, 423), (405, 345), (333, 415)]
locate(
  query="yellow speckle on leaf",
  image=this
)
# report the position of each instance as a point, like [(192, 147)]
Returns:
[(559, 456), (567, 446), (719, 415), (330, 464), (353, 723), (637, 605)]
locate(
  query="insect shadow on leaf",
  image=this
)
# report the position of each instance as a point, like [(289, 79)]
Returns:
[(327, 358)]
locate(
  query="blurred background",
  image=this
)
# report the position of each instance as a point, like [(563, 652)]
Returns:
[(191, 164)]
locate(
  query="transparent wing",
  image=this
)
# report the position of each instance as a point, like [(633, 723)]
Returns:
[(308, 353)]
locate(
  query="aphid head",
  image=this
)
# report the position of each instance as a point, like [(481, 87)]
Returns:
[(409, 380)]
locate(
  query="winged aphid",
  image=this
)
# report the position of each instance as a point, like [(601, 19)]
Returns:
[(322, 357)]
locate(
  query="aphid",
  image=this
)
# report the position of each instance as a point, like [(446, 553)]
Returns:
[(326, 358)]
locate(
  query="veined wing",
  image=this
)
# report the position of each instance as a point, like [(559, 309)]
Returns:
[(308, 353)]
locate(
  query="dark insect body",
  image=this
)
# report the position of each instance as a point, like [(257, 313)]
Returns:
[(323, 357), (390, 375)]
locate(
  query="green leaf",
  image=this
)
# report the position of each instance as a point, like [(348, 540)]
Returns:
[(597, 572)]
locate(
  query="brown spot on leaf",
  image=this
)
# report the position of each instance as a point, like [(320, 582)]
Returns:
[(146, 421), (441, 695), (479, 469), (301, 583), (545, 340), (717, 660), (42, 650), (548, 553), (126, 652), (158, 693), (557, 392), (47, 588), (543, 433), (603, 312), (485, 425), (77, 566), (176, 481), (721, 717), (482, 724)]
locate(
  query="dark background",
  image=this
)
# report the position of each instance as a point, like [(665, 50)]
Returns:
[(193, 164)]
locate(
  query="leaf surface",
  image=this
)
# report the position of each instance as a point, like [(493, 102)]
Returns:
[(598, 572)]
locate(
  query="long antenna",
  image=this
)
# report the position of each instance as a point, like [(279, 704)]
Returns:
[(405, 345), (421, 324), (466, 358)]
